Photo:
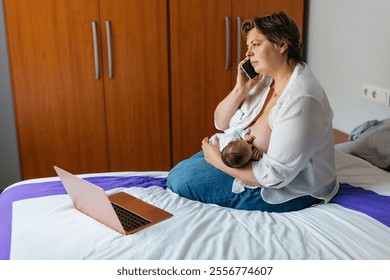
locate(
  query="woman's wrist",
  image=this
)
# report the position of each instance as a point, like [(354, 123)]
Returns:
[(240, 92)]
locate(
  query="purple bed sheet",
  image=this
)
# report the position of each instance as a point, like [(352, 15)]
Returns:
[(33, 190)]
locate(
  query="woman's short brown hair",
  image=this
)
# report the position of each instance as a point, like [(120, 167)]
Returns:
[(278, 28)]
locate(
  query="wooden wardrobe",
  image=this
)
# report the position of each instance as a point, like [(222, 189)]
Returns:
[(122, 85), (90, 84)]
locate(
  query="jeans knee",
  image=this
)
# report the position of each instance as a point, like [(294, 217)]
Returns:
[(176, 178), (171, 181)]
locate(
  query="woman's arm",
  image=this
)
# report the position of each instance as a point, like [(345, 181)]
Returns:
[(229, 105), (212, 156)]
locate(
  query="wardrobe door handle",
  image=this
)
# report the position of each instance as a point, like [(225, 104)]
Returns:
[(95, 49), (109, 53), (227, 46), (238, 40)]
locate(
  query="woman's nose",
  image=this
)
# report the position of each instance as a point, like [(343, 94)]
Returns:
[(248, 53)]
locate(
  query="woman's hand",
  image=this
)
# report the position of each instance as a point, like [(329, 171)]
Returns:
[(242, 81), (211, 152), (229, 105)]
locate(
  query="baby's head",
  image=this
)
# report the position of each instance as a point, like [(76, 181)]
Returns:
[(237, 153)]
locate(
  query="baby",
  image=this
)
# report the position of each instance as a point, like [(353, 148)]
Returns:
[(237, 150), (237, 147)]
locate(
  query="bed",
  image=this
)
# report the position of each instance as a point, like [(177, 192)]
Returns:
[(38, 221)]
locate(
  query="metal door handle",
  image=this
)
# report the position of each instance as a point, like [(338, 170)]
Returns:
[(109, 52), (227, 46), (95, 49)]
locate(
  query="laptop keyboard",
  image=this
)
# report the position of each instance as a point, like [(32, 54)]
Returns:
[(129, 220)]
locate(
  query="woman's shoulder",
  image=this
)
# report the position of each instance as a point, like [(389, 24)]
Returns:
[(305, 91), (305, 83)]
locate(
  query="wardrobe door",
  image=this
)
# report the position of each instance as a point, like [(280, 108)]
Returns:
[(135, 44), (59, 103), (248, 9), (200, 67)]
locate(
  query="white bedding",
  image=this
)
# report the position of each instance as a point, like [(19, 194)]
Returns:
[(50, 228)]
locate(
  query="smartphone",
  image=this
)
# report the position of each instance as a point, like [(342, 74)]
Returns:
[(249, 70)]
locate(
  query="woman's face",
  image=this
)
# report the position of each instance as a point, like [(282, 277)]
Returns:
[(264, 55)]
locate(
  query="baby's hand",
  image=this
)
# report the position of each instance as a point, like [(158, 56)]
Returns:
[(249, 138), (256, 154)]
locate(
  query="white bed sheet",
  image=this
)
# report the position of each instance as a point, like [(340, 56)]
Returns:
[(50, 228)]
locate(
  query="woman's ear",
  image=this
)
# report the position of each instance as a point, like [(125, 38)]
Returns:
[(283, 47)]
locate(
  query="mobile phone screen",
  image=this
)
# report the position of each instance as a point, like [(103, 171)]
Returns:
[(249, 70)]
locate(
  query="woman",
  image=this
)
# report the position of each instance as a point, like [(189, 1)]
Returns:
[(291, 119)]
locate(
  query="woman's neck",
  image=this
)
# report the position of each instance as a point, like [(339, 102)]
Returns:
[(282, 77)]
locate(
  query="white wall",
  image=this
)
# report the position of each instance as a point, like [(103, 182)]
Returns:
[(348, 44)]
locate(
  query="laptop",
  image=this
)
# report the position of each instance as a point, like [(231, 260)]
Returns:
[(122, 212)]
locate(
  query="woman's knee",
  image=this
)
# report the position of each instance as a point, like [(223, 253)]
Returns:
[(181, 177), (175, 179), (195, 179)]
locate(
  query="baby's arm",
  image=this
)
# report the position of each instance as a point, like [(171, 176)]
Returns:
[(255, 154), (249, 138)]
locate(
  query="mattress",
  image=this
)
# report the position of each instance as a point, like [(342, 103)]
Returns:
[(39, 222)]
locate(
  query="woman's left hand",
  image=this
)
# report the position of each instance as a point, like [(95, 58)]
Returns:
[(211, 152)]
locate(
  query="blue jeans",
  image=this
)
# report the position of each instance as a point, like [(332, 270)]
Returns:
[(195, 179)]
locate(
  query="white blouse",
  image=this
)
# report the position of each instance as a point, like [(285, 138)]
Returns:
[(300, 156)]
